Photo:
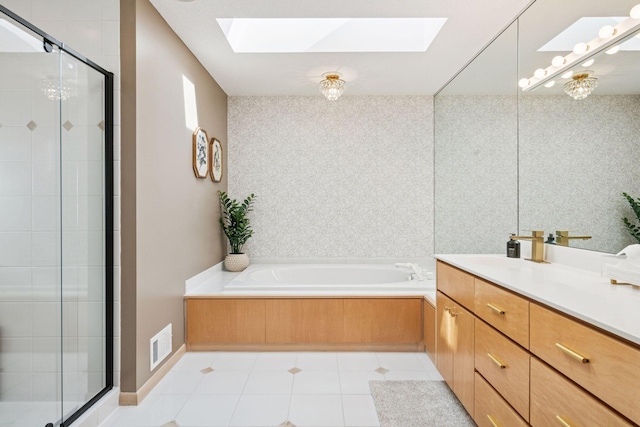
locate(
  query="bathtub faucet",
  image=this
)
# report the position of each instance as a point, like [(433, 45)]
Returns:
[(417, 271)]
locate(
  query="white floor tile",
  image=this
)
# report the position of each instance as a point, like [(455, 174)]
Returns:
[(316, 411), (407, 376), (269, 382), (261, 411), (400, 361), (207, 410), (357, 362), (235, 362), (195, 361), (435, 376), (357, 382), (154, 410), (275, 362), (359, 410), (316, 382), (178, 382), (222, 382), (317, 361)]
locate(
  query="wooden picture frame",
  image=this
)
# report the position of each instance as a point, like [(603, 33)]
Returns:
[(216, 160), (200, 153)]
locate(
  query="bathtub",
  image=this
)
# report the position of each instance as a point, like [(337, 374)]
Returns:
[(327, 279)]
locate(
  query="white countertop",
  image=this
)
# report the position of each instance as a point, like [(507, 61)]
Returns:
[(582, 294)]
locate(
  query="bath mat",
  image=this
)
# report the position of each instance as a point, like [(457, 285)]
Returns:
[(418, 404)]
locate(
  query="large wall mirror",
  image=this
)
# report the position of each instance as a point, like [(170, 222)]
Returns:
[(574, 158)]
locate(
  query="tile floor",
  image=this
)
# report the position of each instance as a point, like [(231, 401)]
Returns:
[(272, 389)]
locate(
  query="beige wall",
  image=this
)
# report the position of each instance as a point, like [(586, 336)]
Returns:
[(170, 230)]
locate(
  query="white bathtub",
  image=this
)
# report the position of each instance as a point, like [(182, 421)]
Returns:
[(327, 279)]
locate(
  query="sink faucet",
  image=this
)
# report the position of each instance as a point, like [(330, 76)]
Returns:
[(537, 245), (417, 270), (562, 237)]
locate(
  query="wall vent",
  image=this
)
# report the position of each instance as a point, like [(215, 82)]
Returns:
[(160, 346)]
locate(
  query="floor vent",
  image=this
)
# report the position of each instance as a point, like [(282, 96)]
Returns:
[(160, 346)]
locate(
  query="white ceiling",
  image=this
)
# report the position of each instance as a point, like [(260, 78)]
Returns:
[(470, 25)]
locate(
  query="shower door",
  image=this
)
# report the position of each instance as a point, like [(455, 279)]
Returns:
[(55, 229)]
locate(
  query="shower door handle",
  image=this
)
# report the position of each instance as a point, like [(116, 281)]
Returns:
[(49, 425)]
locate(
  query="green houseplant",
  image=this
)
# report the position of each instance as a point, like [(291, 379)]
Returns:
[(237, 228), (634, 229)]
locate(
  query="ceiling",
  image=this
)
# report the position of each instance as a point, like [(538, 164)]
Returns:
[(470, 25)]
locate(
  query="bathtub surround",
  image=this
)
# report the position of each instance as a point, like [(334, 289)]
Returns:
[(345, 179), (169, 218)]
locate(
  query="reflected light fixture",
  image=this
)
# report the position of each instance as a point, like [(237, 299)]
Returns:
[(580, 86), (613, 50), (588, 63), (57, 90), (332, 86)]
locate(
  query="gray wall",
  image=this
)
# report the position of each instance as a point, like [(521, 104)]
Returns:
[(169, 217), (346, 179)]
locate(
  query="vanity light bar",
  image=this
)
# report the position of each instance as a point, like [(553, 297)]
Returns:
[(595, 46)]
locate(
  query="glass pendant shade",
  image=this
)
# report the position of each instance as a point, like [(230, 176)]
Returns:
[(55, 90), (332, 86)]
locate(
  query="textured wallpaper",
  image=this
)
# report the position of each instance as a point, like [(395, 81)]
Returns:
[(476, 185), (345, 179), (576, 159)]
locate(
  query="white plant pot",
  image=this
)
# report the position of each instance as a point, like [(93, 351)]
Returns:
[(236, 262)]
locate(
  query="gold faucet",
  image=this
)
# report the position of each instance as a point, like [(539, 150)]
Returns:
[(562, 237), (537, 245)]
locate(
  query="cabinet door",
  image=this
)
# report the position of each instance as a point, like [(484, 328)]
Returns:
[(445, 340), (463, 357), (429, 329), (376, 320), (225, 321), (310, 320)]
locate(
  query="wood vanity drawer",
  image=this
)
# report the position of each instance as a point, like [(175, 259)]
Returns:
[(457, 284), (504, 364), (611, 370), (555, 399), (491, 409), (505, 311)]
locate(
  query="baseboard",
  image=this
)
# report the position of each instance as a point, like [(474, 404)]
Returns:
[(307, 347), (135, 398)]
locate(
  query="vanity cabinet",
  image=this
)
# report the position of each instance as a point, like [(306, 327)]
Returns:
[(454, 348), (532, 364)]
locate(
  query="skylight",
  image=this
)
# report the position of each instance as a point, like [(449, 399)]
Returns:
[(330, 34), (584, 30)]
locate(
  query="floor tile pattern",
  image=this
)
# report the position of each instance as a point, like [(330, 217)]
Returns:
[(288, 389)]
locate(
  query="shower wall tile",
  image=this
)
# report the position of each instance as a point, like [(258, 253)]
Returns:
[(15, 249), (45, 146), (15, 387), (15, 213), (351, 179), (44, 317), (44, 111), (49, 10), (46, 283), (15, 178), (46, 248), (16, 355), (46, 179), (15, 284), (16, 321), (46, 213), (46, 355), (15, 108), (14, 143)]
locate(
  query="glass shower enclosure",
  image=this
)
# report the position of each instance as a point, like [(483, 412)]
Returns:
[(56, 226)]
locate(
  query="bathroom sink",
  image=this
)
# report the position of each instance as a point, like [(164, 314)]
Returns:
[(497, 261)]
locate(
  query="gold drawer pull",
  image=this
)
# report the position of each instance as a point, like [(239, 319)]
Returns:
[(562, 421), (493, 422), (496, 361), (453, 314), (494, 308), (572, 353), (447, 308)]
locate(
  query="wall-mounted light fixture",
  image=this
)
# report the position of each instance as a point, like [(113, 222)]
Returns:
[(608, 40)]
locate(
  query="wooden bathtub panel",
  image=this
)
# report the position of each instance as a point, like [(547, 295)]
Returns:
[(383, 320), (225, 321), (304, 321)]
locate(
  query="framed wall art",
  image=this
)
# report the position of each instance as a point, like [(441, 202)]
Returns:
[(216, 160), (200, 153)]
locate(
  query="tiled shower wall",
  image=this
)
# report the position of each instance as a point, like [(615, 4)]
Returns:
[(27, 204), (351, 179)]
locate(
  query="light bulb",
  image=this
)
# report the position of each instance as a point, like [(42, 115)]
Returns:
[(588, 63), (613, 50), (606, 32), (557, 61), (540, 73), (550, 84), (567, 74), (580, 48), (523, 83), (635, 12)]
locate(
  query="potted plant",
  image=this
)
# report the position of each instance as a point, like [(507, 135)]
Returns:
[(633, 229), (237, 228)]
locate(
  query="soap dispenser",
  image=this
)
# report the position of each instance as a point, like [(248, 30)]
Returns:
[(513, 248)]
